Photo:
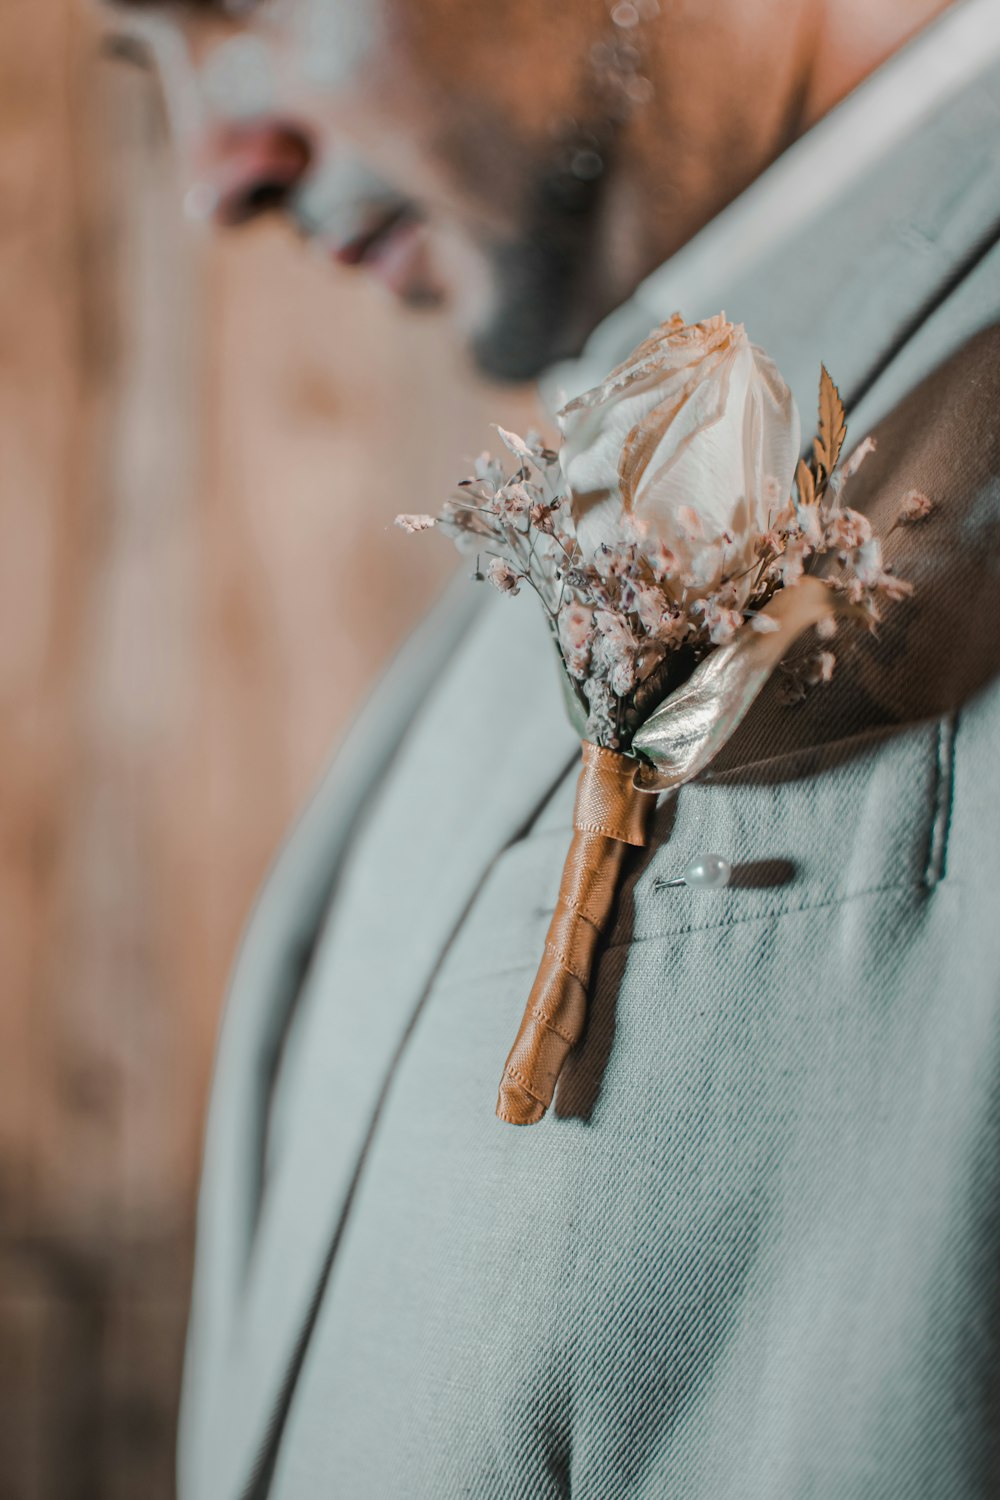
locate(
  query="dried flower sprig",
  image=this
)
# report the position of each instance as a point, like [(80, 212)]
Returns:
[(632, 620)]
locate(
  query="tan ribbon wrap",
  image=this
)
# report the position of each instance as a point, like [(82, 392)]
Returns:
[(613, 809), (611, 813)]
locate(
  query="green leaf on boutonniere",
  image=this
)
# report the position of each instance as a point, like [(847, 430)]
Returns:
[(576, 710)]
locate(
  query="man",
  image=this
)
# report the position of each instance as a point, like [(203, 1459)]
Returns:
[(753, 1249)]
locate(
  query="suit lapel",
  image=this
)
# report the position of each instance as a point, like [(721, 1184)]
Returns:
[(852, 291), (474, 771), (273, 956)]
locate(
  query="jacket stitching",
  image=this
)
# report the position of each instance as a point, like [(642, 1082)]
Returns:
[(736, 919), (739, 919), (937, 846)]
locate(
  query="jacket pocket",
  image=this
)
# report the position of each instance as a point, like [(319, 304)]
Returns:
[(804, 830), (801, 831)]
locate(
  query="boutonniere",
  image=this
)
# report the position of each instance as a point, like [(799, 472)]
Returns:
[(670, 543)]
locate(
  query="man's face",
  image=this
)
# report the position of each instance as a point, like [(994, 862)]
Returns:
[(464, 152)]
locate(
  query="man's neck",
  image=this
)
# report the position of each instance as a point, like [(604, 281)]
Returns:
[(733, 88), (731, 92), (850, 39)]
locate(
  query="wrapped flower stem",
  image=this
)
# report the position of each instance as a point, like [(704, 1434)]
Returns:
[(614, 799), (610, 815)]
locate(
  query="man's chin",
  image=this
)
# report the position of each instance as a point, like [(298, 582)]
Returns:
[(422, 298), (542, 308), (516, 347), (519, 305)]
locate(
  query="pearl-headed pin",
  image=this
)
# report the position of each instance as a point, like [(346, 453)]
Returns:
[(706, 872)]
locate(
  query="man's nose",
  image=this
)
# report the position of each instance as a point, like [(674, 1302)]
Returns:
[(246, 169)]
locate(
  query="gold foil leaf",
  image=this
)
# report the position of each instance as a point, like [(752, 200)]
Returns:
[(690, 727), (832, 424)]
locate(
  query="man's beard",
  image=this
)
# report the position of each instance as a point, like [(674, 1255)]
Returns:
[(547, 284)]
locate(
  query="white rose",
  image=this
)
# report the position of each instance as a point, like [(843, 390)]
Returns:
[(697, 420)]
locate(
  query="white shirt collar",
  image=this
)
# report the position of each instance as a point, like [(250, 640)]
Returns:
[(803, 184)]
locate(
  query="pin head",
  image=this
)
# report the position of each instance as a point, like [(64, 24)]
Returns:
[(710, 872)]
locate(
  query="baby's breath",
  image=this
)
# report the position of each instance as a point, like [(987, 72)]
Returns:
[(630, 623)]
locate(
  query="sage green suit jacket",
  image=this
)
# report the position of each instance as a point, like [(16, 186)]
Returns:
[(754, 1249)]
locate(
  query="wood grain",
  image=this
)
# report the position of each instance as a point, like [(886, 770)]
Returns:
[(201, 450)]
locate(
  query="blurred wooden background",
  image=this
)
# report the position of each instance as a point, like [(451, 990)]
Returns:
[(201, 450)]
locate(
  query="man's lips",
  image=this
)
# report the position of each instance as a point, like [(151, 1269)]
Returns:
[(395, 251), (364, 244)]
